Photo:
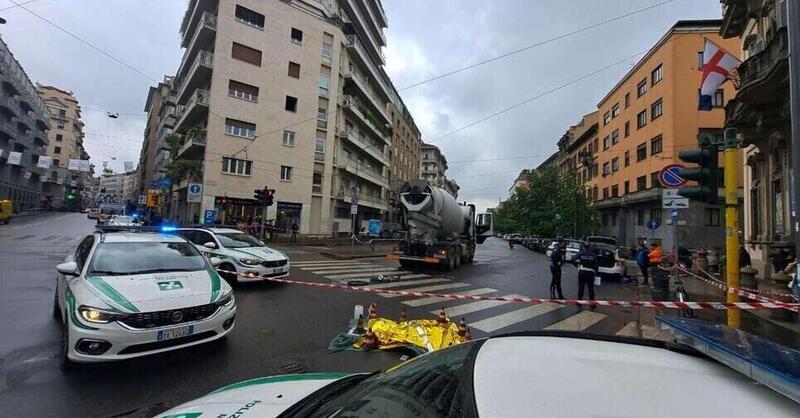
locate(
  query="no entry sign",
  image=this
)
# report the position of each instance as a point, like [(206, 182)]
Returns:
[(669, 177)]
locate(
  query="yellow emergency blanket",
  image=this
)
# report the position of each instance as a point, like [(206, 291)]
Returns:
[(427, 334)]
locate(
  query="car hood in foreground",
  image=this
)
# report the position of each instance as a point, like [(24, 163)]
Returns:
[(262, 397)]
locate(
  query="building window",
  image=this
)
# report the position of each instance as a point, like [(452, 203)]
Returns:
[(236, 166), (656, 145), (246, 54), (59, 137), (655, 214), (606, 168), (294, 70), (700, 60), (627, 100), (242, 91), (291, 104), (605, 193), (657, 74), (606, 142), (324, 84), (627, 187), (615, 111), (641, 88), (288, 138), (319, 144), (239, 128), (327, 47), (316, 182), (249, 17), (606, 118), (615, 190), (596, 143), (641, 119), (656, 110), (712, 217), (56, 162), (615, 137), (719, 98), (641, 183), (58, 150), (627, 129), (627, 158), (615, 164), (641, 152), (297, 36), (286, 173), (640, 217), (60, 124), (654, 180)]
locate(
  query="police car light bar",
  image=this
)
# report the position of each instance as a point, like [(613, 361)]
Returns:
[(135, 228), (768, 363)]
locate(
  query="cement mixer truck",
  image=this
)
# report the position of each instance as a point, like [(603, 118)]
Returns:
[(438, 230)]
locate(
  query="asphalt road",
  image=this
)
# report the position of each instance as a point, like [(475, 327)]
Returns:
[(280, 328)]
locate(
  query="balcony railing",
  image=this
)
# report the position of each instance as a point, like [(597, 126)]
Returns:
[(343, 193), (192, 148), (192, 110), (758, 66), (356, 138), (203, 59), (356, 107), (361, 21), (355, 43), (205, 29), (20, 80)]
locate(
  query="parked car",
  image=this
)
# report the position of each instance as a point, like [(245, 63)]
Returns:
[(571, 251)]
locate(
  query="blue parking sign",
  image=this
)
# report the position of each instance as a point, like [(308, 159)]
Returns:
[(210, 216)]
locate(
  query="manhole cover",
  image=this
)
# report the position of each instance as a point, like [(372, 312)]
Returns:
[(291, 367)]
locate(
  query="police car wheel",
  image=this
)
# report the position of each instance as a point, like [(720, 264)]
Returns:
[(65, 362)]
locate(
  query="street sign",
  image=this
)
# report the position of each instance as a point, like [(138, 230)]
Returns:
[(153, 184), (354, 199), (353, 209), (669, 177), (165, 182), (670, 199), (673, 214), (194, 193), (142, 199), (209, 216), (374, 227), (653, 224)]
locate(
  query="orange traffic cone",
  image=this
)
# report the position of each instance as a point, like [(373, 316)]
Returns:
[(359, 325), (403, 316), (370, 340), (442, 319), (373, 310), (462, 328)]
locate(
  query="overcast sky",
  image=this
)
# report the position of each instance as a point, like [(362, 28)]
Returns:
[(425, 38)]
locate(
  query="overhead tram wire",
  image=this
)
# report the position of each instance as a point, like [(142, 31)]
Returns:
[(17, 5)]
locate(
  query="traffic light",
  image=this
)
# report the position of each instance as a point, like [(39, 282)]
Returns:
[(270, 195), (706, 174), (260, 195)]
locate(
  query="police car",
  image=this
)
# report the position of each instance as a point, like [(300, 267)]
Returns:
[(127, 294), (239, 252), (545, 373)]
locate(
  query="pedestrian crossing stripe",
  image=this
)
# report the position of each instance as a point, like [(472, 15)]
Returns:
[(327, 262), (352, 269), (368, 274), (578, 322), (470, 307), (507, 319), (406, 283), (431, 301), (429, 289)]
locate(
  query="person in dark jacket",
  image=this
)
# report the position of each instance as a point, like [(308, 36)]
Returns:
[(643, 261), (588, 268), (556, 261)]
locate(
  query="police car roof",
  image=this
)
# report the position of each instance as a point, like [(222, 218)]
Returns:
[(127, 236), (224, 230)]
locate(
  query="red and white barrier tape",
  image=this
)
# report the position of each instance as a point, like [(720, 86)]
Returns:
[(622, 303), (754, 291), (740, 292)]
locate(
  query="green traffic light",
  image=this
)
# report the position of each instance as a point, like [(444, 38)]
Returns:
[(70, 196)]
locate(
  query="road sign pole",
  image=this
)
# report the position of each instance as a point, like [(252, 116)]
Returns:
[(731, 223)]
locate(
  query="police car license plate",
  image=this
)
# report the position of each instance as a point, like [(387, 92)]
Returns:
[(169, 334)]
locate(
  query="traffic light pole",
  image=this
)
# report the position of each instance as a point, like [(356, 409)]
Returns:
[(730, 147)]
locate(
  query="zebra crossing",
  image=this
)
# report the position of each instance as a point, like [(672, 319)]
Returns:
[(485, 316)]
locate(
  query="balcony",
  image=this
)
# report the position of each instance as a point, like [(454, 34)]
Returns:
[(202, 40), (376, 10), (365, 60), (354, 105), (360, 170), (364, 199), (193, 148), (15, 75), (364, 145), (360, 25), (197, 76), (362, 85), (196, 110), (194, 11), (764, 77)]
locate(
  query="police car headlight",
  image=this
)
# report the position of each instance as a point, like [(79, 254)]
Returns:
[(250, 261), (225, 300), (99, 316)]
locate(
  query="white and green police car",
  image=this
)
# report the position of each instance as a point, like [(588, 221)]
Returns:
[(127, 294), (243, 253)]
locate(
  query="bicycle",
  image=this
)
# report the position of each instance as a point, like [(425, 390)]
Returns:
[(682, 296)]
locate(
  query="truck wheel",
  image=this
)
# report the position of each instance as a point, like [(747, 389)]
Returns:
[(407, 264), (457, 259)]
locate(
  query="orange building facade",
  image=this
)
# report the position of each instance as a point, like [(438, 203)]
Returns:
[(644, 121)]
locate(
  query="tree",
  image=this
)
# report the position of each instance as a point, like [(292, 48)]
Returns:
[(551, 205)]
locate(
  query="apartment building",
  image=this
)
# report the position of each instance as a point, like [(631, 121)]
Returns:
[(761, 114), (66, 138), (118, 188), (433, 164), (646, 118), (160, 106), (404, 156), (289, 95), (521, 182), (578, 150), (24, 123)]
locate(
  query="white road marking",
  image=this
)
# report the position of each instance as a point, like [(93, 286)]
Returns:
[(367, 274), (405, 283), (470, 307), (578, 322), (431, 301), (510, 318), (352, 269), (629, 330), (431, 288), (327, 262)]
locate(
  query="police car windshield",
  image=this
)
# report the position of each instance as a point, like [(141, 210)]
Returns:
[(119, 258), (238, 240)]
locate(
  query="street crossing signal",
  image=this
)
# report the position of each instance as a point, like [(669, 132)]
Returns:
[(270, 195), (260, 195), (706, 174)]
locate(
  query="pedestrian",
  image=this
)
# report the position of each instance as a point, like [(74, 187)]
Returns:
[(654, 256), (713, 260), (588, 268), (295, 228), (744, 257), (643, 262), (556, 261)]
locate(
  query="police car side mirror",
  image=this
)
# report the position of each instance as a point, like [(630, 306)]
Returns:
[(215, 261), (70, 268), (210, 245)]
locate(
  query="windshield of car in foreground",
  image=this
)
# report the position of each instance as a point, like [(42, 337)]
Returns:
[(434, 385), (238, 240), (117, 258)]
